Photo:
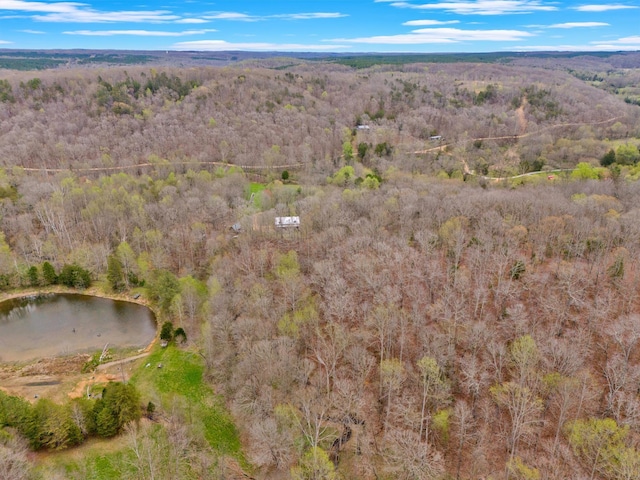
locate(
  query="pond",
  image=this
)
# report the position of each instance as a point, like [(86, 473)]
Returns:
[(62, 324)]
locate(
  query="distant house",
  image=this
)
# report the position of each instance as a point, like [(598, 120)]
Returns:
[(287, 222), (435, 138), (363, 127)]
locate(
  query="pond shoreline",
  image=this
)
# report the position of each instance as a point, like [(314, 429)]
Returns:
[(94, 292), (58, 289), (58, 376)]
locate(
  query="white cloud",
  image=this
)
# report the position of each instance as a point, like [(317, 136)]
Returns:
[(235, 16), (426, 23), (579, 25), (242, 17), (635, 40), (573, 48), (34, 32), (22, 6), (603, 8), (308, 16), (221, 45), (72, 12), (191, 20), (138, 33), (482, 7), (442, 35), (5, 42), (94, 16)]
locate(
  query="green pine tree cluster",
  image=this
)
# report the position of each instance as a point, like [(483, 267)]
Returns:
[(47, 425)]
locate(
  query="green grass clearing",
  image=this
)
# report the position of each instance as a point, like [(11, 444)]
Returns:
[(180, 384), (255, 189)]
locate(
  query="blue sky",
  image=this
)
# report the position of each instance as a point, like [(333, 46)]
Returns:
[(322, 26)]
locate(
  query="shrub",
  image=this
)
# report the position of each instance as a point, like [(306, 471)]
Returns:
[(118, 406), (627, 154), (75, 276), (34, 277), (166, 333), (609, 158), (162, 287), (49, 274), (180, 333), (115, 275)]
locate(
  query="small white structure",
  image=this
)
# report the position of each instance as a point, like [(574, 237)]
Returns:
[(287, 222), (363, 127)]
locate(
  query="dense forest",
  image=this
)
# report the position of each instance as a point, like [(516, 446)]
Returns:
[(459, 300)]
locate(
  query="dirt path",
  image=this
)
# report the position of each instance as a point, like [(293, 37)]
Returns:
[(106, 372), (522, 121), (84, 385), (529, 174), (148, 165), (115, 363), (513, 137)]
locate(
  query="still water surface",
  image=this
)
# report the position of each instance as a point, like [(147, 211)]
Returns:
[(62, 324)]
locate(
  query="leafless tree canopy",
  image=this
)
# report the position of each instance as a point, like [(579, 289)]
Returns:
[(416, 325)]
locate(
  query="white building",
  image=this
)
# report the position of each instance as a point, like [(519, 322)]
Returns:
[(287, 222)]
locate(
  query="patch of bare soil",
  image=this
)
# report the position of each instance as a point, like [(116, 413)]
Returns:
[(62, 377), (47, 377), (85, 384), (118, 371)]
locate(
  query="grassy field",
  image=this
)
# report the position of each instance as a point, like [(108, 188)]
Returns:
[(180, 382), (177, 387), (256, 189)]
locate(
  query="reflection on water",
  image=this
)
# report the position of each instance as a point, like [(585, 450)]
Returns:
[(60, 324)]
